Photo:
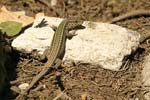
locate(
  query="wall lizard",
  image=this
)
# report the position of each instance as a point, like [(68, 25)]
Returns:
[(56, 52)]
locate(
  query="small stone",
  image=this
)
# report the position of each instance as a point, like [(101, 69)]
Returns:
[(54, 2), (23, 86)]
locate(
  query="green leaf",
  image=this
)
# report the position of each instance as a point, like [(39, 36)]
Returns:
[(11, 28)]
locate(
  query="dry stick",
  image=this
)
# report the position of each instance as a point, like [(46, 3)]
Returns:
[(148, 42), (61, 94), (15, 89), (39, 88), (144, 37), (19, 80), (134, 13), (58, 96), (23, 69), (64, 7), (45, 2)]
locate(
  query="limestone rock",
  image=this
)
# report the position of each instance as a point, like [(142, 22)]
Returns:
[(99, 43)]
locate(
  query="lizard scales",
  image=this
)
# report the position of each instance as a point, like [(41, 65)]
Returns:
[(56, 50)]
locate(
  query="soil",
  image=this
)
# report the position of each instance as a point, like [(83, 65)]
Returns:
[(81, 81)]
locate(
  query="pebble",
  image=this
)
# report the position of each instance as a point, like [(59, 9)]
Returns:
[(23, 86)]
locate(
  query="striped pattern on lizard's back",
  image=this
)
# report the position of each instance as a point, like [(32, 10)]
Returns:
[(56, 50)]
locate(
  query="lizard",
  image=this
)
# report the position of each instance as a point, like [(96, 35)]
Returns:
[(56, 51)]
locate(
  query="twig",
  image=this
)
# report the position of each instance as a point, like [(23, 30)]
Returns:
[(26, 71), (19, 80), (131, 14), (39, 88), (144, 37), (125, 65), (61, 94), (64, 7), (15, 89), (45, 2), (148, 42)]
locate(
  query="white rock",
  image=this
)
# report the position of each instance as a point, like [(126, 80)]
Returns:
[(103, 44), (23, 86), (34, 38), (99, 43)]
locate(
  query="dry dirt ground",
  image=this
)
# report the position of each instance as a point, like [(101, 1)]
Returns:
[(82, 81)]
